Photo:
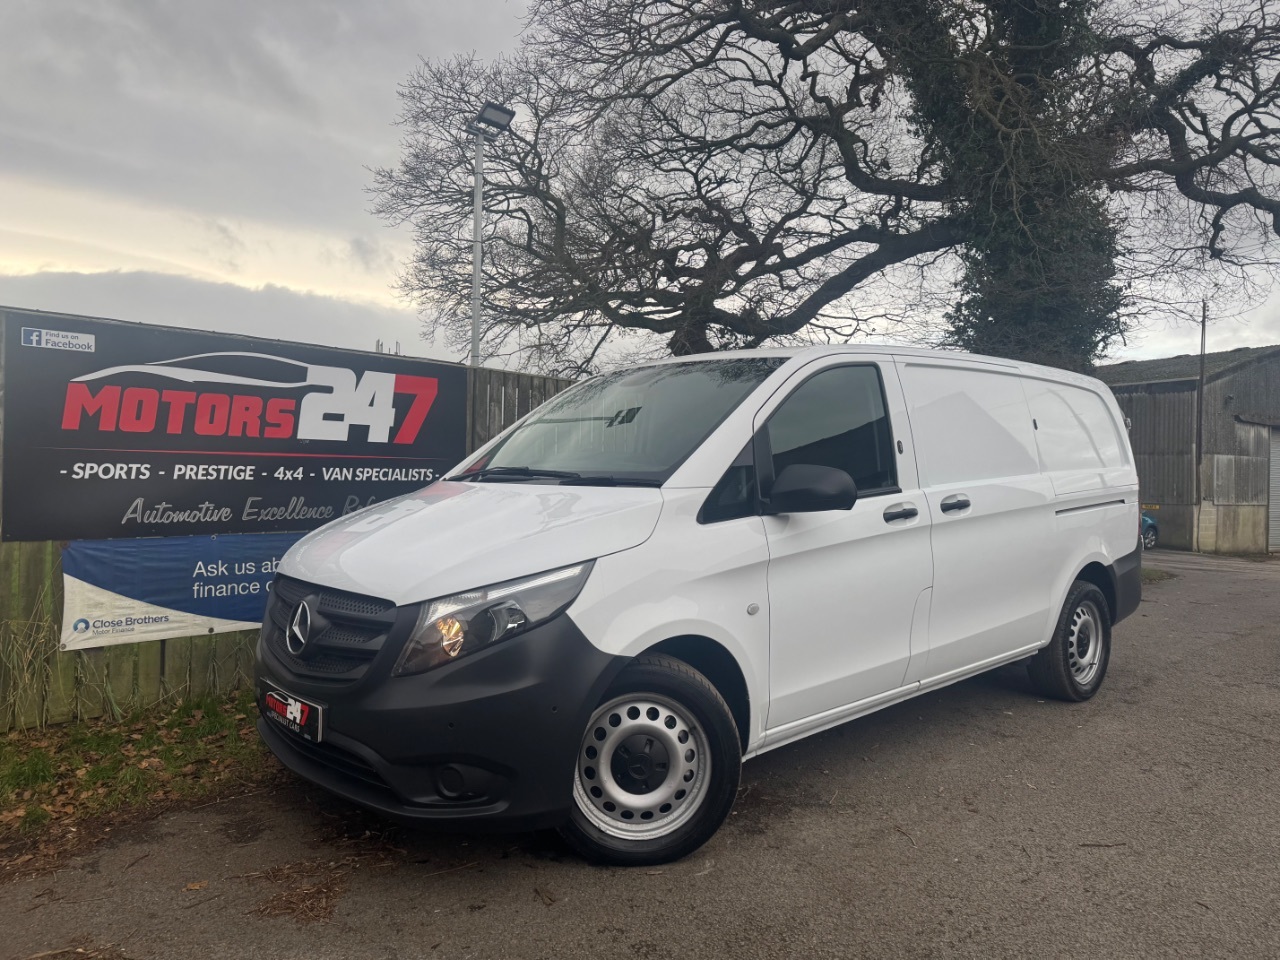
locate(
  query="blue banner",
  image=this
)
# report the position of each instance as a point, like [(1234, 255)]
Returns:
[(126, 591)]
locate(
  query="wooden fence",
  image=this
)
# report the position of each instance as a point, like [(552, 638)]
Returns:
[(41, 685), (497, 398)]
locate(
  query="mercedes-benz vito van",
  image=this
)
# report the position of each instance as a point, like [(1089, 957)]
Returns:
[(665, 570)]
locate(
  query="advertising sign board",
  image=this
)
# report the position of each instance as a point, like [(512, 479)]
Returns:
[(127, 591), (119, 430)]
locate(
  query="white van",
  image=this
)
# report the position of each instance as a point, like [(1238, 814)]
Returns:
[(668, 569)]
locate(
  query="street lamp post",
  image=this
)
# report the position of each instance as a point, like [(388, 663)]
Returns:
[(490, 123)]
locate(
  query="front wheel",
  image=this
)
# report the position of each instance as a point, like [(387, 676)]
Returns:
[(1074, 663), (657, 770), (1149, 538)]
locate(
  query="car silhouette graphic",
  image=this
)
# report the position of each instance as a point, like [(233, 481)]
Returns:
[(275, 372)]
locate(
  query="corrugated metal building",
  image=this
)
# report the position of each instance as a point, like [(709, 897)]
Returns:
[(1239, 488)]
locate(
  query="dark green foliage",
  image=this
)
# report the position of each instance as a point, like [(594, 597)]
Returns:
[(1039, 285), (1039, 267)]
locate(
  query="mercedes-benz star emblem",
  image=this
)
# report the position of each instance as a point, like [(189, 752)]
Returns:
[(299, 629)]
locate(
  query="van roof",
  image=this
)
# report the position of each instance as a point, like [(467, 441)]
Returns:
[(825, 350), (867, 349)]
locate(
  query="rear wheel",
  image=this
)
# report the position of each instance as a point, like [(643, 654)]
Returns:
[(657, 769), (1073, 665), (1149, 538)]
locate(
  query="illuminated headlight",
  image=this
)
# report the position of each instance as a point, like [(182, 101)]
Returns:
[(466, 622)]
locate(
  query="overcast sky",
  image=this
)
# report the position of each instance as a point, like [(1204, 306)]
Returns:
[(204, 163)]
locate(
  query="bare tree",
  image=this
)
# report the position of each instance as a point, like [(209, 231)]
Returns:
[(692, 175)]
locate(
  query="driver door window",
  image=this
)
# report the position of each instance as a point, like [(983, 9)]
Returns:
[(838, 419)]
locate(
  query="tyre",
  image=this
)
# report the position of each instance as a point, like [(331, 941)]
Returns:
[(1149, 538), (657, 770), (1073, 665)]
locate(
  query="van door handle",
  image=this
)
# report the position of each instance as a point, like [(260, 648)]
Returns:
[(902, 513), (958, 502)]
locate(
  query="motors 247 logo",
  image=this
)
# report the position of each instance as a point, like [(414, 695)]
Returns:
[(329, 400)]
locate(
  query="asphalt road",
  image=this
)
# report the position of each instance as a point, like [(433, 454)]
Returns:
[(977, 821)]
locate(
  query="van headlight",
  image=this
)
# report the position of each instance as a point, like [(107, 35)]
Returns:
[(466, 622)]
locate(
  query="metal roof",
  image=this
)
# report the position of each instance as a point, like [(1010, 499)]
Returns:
[(1183, 367)]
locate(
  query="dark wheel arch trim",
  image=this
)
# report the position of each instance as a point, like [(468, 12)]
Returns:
[(1120, 583)]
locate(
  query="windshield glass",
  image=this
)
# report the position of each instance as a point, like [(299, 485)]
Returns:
[(636, 425)]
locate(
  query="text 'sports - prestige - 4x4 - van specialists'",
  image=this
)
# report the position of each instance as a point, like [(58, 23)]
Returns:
[(667, 569)]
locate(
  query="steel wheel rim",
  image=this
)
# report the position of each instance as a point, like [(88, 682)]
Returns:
[(1085, 643), (611, 768)]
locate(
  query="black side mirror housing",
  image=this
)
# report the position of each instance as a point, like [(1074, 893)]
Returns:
[(810, 488)]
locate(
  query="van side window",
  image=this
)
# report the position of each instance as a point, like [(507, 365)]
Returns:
[(838, 418)]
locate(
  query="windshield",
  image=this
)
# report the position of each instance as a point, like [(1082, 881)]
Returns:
[(634, 425)]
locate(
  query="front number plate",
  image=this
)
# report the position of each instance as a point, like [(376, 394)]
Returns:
[(300, 717)]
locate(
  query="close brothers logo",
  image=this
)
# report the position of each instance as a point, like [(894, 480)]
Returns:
[(333, 399), (117, 624)]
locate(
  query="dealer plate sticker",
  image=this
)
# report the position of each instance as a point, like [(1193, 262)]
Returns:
[(300, 717)]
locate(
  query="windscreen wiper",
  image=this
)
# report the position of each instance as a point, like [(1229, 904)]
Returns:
[(606, 480), (515, 473)]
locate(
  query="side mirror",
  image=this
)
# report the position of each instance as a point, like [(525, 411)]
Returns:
[(809, 488)]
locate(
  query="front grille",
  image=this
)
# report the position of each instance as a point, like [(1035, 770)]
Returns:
[(341, 652), (341, 635), (350, 603), (331, 601), (322, 666)]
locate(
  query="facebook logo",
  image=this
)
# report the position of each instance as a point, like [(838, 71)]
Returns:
[(58, 340)]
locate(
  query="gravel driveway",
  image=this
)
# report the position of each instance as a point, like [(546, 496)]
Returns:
[(977, 821)]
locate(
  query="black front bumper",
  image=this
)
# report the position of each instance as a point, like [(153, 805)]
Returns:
[(489, 740)]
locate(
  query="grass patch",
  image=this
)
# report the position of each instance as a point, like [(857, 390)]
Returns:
[(1152, 575), (57, 780)]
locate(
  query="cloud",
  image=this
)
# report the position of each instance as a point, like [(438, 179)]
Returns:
[(225, 108), (370, 255), (224, 140), (1257, 327), (177, 301), (225, 246)]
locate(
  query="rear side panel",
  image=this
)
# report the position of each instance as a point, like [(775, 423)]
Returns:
[(1083, 445), (1085, 453)]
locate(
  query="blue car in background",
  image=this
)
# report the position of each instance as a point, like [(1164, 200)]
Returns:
[(1150, 531)]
